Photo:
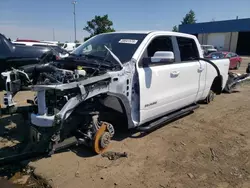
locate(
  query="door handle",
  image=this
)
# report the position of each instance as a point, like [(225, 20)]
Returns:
[(200, 69), (175, 73)]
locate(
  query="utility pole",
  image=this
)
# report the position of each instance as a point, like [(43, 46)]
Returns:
[(54, 35), (74, 12)]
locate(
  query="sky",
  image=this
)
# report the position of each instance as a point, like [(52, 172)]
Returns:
[(37, 19)]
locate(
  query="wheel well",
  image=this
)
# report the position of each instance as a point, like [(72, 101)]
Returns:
[(114, 111), (217, 85)]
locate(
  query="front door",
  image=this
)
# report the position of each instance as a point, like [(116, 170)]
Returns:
[(168, 87)]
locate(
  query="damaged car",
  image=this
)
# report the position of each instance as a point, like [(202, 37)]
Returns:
[(132, 80)]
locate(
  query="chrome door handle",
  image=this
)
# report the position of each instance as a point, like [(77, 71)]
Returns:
[(175, 73)]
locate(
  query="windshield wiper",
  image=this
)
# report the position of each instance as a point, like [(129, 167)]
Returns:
[(97, 60), (101, 60)]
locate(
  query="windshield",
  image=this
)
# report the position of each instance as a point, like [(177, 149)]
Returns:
[(123, 45)]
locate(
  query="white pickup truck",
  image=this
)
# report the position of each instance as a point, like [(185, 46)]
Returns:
[(147, 78)]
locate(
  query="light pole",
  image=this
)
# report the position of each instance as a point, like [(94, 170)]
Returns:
[(74, 4), (53, 34)]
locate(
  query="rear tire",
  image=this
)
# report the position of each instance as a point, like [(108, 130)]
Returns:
[(210, 97)]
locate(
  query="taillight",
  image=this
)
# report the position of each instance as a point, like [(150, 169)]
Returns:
[(57, 58)]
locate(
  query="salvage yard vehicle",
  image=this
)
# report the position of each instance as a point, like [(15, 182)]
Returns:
[(16, 56), (143, 78), (235, 60), (61, 52)]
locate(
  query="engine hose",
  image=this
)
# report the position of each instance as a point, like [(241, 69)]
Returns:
[(39, 68), (51, 79)]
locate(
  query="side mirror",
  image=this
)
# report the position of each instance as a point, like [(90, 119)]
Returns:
[(160, 57)]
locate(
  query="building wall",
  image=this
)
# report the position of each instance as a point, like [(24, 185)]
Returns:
[(228, 37), (234, 41), (230, 42)]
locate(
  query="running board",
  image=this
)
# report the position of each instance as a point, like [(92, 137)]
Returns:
[(175, 115)]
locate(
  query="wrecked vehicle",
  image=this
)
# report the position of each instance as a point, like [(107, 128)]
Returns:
[(12, 55), (139, 80)]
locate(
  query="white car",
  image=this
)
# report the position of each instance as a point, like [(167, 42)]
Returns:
[(69, 46), (207, 49)]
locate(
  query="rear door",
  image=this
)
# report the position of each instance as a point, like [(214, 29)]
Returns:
[(192, 80), (168, 87)]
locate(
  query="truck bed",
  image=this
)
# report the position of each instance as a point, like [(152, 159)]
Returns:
[(223, 66)]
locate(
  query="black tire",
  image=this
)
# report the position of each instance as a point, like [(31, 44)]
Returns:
[(237, 66), (210, 97), (228, 89)]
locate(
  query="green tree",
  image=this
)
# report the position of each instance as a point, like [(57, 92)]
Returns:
[(98, 25), (175, 29), (189, 18)]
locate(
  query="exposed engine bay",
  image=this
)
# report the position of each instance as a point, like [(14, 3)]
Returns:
[(71, 97)]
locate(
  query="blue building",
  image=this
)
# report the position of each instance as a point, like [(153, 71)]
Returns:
[(228, 35)]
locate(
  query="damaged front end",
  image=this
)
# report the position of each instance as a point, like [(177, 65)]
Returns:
[(66, 108)]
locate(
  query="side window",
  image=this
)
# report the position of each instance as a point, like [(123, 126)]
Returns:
[(188, 48), (163, 43), (229, 55)]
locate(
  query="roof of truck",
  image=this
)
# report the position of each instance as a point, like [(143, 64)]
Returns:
[(154, 31), (143, 31)]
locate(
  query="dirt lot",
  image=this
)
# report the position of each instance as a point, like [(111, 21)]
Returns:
[(209, 148)]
